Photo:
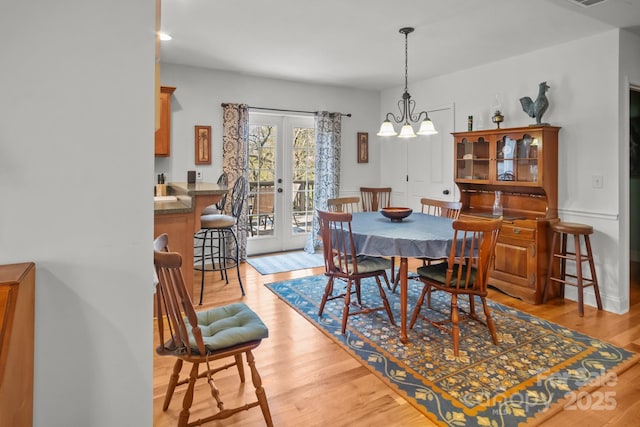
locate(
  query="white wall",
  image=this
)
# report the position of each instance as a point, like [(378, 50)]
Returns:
[(584, 101), (76, 150), (200, 92)]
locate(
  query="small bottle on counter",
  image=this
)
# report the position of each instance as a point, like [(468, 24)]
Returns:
[(497, 204)]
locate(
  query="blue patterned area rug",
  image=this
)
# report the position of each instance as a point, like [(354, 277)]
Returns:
[(535, 371), (289, 261)]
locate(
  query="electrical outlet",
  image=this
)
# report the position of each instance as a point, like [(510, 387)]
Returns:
[(596, 181), (198, 175)]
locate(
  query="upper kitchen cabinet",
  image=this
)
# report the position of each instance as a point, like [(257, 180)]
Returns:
[(163, 133)]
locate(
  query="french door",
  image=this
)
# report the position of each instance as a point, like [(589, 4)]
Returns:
[(281, 181)]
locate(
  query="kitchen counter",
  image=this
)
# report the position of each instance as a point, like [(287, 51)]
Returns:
[(172, 205), (185, 193), (197, 189)]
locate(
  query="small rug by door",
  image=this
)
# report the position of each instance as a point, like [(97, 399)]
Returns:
[(535, 371), (289, 261)]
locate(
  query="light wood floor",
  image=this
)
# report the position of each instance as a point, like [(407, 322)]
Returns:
[(310, 381)]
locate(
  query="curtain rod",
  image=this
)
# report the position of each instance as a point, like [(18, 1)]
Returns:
[(288, 111)]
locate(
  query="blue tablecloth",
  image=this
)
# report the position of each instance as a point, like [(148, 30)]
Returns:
[(418, 235)]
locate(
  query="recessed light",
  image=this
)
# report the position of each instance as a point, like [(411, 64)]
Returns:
[(165, 36)]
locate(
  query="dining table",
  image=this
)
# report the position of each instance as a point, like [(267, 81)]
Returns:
[(416, 236)]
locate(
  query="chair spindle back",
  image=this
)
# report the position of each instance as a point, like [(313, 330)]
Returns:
[(337, 243), (374, 199)]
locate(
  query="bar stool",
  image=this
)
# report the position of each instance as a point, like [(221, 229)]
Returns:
[(217, 238), (563, 230)]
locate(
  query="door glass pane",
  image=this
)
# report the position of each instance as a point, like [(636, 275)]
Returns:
[(262, 167), (303, 169)]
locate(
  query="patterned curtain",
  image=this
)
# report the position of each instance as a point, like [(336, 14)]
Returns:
[(235, 160), (327, 157)]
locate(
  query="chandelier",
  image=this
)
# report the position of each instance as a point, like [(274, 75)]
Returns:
[(406, 106)]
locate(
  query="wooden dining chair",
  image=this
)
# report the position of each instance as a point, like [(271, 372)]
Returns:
[(225, 332), (435, 207), (344, 204), (465, 273), (443, 208), (374, 199), (342, 263), (440, 207)]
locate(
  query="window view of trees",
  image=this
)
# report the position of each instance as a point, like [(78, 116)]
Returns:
[(262, 170)]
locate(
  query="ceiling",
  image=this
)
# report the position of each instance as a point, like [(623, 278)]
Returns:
[(356, 43)]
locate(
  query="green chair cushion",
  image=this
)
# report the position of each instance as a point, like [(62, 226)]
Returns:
[(367, 264), (229, 325), (438, 273)]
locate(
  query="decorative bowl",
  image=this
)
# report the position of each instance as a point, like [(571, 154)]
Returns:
[(396, 214)]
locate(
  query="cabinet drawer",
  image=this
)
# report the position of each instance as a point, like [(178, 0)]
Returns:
[(517, 232)]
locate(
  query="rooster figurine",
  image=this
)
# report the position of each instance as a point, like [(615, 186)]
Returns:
[(539, 106)]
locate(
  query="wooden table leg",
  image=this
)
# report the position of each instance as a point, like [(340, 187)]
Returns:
[(404, 285)]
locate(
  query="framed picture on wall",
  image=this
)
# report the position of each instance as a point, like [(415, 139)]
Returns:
[(203, 145), (363, 147)]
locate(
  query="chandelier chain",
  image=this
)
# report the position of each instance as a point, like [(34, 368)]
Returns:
[(406, 61)]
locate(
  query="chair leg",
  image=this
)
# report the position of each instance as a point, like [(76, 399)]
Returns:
[(204, 245), (219, 242), (580, 282), (418, 307), (552, 249), (173, 381), (428, 290), (347, 303), (223, 257), (563, 262), (328, 290), (455, 328), (237, 260), (385, 301), (183, 419), (358, 291), (490, 323), (240, 366), (393, 271), (592, 267), (260, 393)]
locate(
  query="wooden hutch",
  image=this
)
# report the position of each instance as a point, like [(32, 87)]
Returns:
[(521, 163)]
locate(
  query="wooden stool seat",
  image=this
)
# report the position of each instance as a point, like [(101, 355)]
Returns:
[(563, 230), (571, 228)]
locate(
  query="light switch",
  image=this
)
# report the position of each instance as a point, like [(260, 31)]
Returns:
[(596, 181)]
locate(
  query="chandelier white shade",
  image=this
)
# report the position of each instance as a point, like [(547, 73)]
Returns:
[(406, 106)]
